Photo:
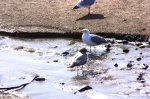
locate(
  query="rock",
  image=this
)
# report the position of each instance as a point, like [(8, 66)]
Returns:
[(125, 42), (124, 19), (31, 50), (129, 65), (141, 53), (62, 83), (145, 67), (136, 48), (19, 48), (85, 88), (71, 42), (138, 44), (142, 81), (138, 59), (142, 46), (55, 46), (125, 50), (55, 60), (140, 78), (116, 65), (39, 79), (143, 29), (2, 37), (65, 53)]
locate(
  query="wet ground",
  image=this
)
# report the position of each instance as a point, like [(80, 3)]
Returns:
[(121, 73)]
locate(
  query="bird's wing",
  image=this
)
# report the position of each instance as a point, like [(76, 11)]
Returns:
[(83, 3), (78, 59), (97, 39), (81, 59)]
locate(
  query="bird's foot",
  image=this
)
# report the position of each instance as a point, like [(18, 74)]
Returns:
[(90, 12)]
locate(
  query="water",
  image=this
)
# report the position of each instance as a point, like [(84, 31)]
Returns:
[(22, 59)]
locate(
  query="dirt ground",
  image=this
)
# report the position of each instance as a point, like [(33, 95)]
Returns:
[(109, 16)]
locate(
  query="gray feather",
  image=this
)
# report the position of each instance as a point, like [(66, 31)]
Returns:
[(78, 60), (97, 39), (86, 2)]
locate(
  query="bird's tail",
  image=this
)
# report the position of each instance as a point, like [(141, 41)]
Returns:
[(70, 66), (76, 7)]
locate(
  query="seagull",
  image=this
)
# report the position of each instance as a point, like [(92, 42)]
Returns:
[(92, 39), (80, 58), (85, 3)]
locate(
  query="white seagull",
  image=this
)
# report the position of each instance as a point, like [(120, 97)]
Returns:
[(92, 39), (85, 3), (80, 58)]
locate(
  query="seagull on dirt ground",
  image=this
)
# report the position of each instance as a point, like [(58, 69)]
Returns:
[(92, 39), (80, 58), (85, 3)]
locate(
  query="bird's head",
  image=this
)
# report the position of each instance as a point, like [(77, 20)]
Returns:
[(83, 50), (86, 31)]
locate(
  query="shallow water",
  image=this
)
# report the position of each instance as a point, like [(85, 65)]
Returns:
[(22, 59)]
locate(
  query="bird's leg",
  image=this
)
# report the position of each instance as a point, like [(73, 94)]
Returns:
[(94, 49), (88, 67), (89, 12), (90, 49), (77, 70), (82, 67)]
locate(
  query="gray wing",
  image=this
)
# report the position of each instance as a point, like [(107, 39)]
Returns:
[(98, 39), (83, 3), (82, 59)]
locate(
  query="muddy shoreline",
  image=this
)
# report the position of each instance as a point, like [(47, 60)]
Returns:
[(109, 71), (76, 35)]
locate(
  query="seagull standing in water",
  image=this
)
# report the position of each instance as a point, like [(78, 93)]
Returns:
[(85, 3), (80, 58), (92, 39)]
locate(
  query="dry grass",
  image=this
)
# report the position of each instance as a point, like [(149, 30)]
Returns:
[(121, 16)]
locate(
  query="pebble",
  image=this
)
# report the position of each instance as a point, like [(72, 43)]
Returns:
[(138, 59), (116, 65), (85, 88), (145, 67), (40, 79), (125, 50), (142, 81), (129, 65), (124, 19), (65, 53), (62, 83), (71, 42), (125, 42), (55, 60), (142, 46), (138, 44)]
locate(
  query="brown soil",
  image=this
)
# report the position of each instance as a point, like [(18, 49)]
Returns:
[(57, 16)]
